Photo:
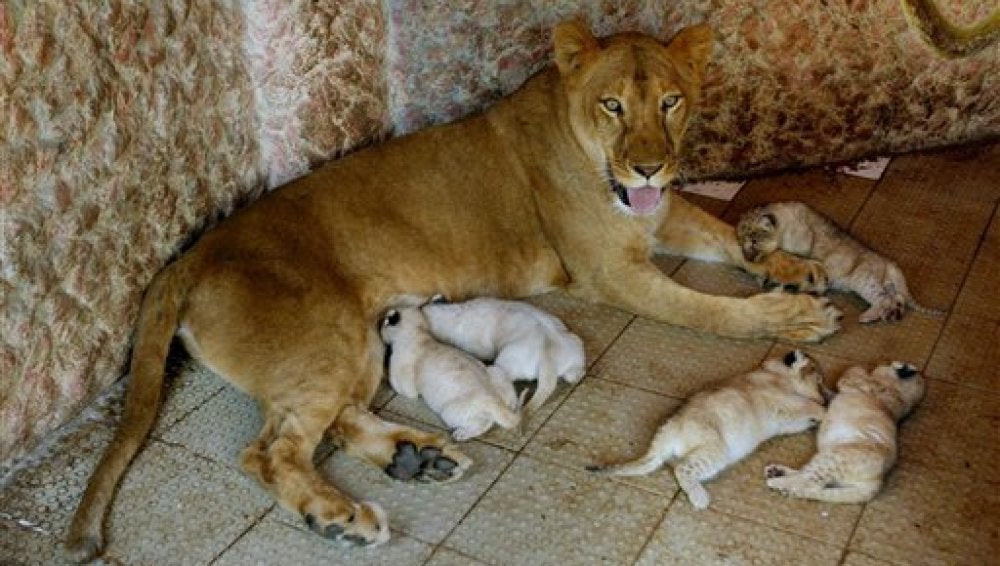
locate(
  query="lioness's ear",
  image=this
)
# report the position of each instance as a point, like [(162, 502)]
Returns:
[(572, 40), (694, 46)]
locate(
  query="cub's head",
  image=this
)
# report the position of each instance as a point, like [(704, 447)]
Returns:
[(757, 232), (898, 386), (630, 97), (398, 322), (802, 374)]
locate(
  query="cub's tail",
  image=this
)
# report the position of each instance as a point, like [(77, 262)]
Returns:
[(158, 321), (945, 38), (912, 304)]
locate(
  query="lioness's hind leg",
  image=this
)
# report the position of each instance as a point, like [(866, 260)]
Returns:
[(403, 452), (281, 460)]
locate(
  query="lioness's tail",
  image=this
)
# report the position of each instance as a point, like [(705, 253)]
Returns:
[(944, 37), (158, 320)]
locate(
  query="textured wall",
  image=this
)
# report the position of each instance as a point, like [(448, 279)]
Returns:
[(792, 82), (125, 126)]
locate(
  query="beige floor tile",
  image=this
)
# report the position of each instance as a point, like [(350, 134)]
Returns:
[(604, 422), (675, 361), (174, 507), (221, 428), (970, 173), (716, 279), (688, 537), (968, 352), (668, 264), (427, 512), (936, 256), (911, 339), (191, 387), (713, 206), (954, 428), (931, 516), (741, 491), (417, 410), (858, 559), (271, 542), (597, 325), (979, 294), (445, 556), (837, 196), (539, 513)]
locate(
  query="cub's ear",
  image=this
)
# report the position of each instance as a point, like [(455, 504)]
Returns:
[(391, 318), (795, 359), (904, 371), (692, 45), (572, 41), (771, 220)]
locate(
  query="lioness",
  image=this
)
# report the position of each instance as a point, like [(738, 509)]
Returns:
[(561, 185)]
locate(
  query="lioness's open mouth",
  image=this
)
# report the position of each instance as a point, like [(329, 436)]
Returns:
[(641, 200)]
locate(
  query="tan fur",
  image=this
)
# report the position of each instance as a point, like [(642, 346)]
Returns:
[(856, 444), (718, 427), (945, 38), (850, 265), (282, 299)]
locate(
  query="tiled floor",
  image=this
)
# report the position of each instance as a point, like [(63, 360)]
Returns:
[(528, 499)]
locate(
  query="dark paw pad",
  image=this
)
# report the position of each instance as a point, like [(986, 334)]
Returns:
[(406, 462), (791, 287), (595, 468), (768, 283), (436, 467), (774, 472)]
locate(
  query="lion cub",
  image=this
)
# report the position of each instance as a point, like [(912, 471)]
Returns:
[(857, 441), (468, 396), (718, 427), (524, 341), (796, 228)]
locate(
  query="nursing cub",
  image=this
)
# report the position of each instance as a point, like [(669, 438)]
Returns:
[(718, 427), (468, 396), (527, 343)]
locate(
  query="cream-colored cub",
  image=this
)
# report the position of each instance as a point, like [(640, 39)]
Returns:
[(857, 440), (850, 265), (718, 427), (526, 342), (468, 396)]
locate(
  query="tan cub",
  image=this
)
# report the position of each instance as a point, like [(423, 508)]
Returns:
[(718, 427), (857, 440), (796, 228)]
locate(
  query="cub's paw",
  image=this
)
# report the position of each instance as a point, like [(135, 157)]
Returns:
[(365, 524), (799, 318), (793, 273), (429, 463)]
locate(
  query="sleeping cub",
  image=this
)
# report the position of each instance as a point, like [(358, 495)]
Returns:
[(857, 440), (525, 342), (798, 229), (718, 427), (465, 394)]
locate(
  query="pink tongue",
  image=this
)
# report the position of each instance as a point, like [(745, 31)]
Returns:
[(644, 199)]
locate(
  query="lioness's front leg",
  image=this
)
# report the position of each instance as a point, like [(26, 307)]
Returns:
[(689, 231), (642, 288)]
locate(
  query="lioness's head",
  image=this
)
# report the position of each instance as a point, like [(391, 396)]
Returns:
[(757, 232), (630, 97)]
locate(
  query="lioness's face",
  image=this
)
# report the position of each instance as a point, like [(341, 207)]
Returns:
[(629, 102)]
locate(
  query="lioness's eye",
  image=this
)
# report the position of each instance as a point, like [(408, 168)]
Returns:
[(612, 105), (669, 102)]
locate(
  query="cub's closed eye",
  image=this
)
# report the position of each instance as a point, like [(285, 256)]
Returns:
[(612, 105), (669, 102)]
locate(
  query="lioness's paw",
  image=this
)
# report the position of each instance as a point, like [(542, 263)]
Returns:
[(793, 273), (429, 463), (799, 318), (364, 525)]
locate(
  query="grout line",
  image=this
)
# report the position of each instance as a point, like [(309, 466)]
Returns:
[(652, 533), (950, 313), (854, 530), (875, 186), (256, 522)]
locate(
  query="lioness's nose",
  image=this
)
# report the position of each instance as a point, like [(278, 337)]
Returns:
[(647, 171)]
